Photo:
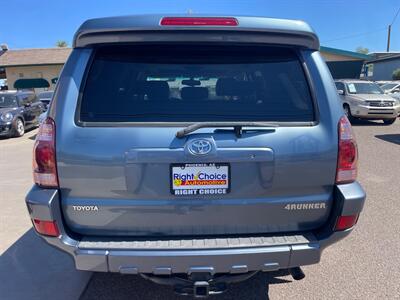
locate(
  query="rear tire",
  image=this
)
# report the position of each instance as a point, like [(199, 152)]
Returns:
[(347, 111), (19, 128), (389, 121)]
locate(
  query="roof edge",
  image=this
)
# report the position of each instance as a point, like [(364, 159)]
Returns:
[(344, 52), (104, 28), (397, 56)]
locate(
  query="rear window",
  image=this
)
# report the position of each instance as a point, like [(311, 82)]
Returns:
[(195, 83)]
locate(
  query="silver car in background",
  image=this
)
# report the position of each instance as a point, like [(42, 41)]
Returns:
[(391, 87), (366, 100)]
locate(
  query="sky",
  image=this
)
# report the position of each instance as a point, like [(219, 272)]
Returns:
[(344, 24)]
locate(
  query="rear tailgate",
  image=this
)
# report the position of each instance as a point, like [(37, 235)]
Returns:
[(120, 163)]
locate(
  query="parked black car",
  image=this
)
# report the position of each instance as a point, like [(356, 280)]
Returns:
[(19, 110)]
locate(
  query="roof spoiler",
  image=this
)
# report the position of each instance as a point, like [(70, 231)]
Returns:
[(150, 28)]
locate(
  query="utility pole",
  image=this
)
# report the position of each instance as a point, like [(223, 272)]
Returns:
[(388, 39), (390, 29)]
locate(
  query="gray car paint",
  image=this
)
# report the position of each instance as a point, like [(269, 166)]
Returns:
[(124, 171)]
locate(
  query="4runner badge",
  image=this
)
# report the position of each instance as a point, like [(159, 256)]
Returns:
[(305, 206), (85, 208)]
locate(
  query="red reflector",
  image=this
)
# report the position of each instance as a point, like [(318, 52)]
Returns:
[(346, 222), (196, 21), (347, 153), (48, 228)]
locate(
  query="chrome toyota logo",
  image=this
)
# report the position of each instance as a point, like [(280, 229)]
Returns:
[(200, 147)]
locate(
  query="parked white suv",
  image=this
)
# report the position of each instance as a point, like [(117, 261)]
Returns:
[(366, 100)]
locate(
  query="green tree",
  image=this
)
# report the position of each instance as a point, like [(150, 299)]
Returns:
[(362, 50), (61, 44), (396, 74)]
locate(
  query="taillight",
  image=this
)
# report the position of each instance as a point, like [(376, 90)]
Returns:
[(44, 155), (346, 222), (48, 228), (347, 155), (199, 21)]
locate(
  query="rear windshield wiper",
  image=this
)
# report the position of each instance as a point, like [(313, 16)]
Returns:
[(237, 126)]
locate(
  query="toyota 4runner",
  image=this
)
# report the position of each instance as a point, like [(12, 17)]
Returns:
[(195, 151)]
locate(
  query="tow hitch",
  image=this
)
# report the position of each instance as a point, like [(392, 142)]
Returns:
[(201, 289), (199, 285)]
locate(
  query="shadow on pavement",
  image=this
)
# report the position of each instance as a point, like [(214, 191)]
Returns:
[(360, 122), (28, 131), (31, 269), (104, 286), (391, 138)]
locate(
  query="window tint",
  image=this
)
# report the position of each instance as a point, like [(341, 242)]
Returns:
[(8, 101), (364, 88), (191, 84), (389, 86), (340, 86), (27, 98)]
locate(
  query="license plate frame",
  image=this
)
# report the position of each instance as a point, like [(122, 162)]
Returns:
[(208, 189)]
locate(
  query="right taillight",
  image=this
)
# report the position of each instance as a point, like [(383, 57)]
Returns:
[(44, 156), (347, 155)]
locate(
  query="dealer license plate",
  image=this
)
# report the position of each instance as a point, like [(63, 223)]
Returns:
[(200, 179)]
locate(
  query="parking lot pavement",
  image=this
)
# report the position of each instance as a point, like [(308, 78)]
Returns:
[(29, 268), (365, 265)]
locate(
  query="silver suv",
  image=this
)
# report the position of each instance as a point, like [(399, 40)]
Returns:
[(195, 151), (366, 100)]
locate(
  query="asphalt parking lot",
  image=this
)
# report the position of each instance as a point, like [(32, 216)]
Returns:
[(365, 265)]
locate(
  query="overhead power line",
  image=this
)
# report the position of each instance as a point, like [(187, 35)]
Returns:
[(395, 17), (355, 35)]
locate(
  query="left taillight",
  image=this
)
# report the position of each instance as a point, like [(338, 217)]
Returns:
[(44, 156)]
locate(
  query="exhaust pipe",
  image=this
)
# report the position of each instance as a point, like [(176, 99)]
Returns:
[(297, 273)]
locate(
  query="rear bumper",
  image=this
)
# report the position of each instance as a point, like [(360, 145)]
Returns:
[(222, 255), (214, 255)]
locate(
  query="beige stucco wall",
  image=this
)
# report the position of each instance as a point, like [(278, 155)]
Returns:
[(47, 72), (335, 57)]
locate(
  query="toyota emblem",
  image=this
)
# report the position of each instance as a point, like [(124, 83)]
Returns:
[(200, 147)]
